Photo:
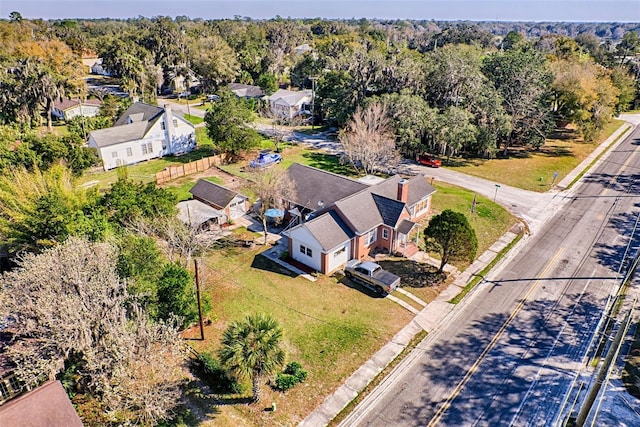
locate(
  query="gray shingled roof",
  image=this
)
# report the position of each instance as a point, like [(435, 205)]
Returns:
[(389, 209), (143, 115), (289, 97), (118, 134), (139, 111), (418, 188), (248, 91), (329, 230), (314, 185), (361, 211), (213, 194), (405, 226)]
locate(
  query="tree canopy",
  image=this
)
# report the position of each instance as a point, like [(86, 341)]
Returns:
[(450, 234)]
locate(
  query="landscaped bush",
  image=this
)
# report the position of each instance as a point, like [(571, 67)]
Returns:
[(293, 374), (216, 376)]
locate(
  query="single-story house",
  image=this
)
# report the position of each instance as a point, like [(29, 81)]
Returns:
[(200, 215), (355, 219), (246, 91), (67, 109), (143, 132), (289, 104), (229, 203)]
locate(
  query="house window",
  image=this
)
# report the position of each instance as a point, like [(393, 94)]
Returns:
[(163, 125), (175, 122), (371, 237), (4, 390), (14, 384), (147, 148), (306, 251), (114, 154), (385, 234), (129, 152), (421, 206)]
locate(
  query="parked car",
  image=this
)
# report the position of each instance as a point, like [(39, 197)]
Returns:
[(212, 98), (372, 275), (427, 160), (265, 159)]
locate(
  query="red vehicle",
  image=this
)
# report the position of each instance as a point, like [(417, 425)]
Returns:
[(427, 160)]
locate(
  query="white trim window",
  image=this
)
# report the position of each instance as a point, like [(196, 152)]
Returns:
[(114, 154), (385, 233), (371, 237), (420, 207), (129, 152), (147, 148), (306, 251)]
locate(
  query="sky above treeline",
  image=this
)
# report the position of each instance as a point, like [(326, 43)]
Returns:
[(449, 10)]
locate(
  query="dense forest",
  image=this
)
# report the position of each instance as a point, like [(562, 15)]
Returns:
[(451, 88)]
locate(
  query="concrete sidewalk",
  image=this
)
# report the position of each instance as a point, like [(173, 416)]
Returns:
[(540, 209)]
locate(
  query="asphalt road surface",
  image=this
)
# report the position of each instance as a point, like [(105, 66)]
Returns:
[(509, 355)]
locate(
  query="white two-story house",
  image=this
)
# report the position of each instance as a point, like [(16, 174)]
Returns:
[(143, 132)]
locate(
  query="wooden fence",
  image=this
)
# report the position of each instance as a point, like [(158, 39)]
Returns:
[(173, 172)]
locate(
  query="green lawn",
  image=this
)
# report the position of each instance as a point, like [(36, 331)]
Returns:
[(533, 170), (195, 120), (328, 327)]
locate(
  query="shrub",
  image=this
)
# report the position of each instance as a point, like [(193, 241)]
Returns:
[(285, 381), (216, 376), (293, 374), (295, 369)]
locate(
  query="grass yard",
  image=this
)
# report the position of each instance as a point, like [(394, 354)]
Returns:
[(533, 170), (490, 220), (329, 327)]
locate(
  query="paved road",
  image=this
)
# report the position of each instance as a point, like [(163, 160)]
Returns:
[(509, 355)]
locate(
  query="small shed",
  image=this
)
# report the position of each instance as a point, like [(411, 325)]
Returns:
[(231, 203)]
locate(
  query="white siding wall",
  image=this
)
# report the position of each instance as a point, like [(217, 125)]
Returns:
[(183, 139), (237, 207), (338, 256), (301, 236), (128, 153)]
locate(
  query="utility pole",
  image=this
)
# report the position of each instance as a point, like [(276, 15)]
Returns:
[(195, 264), (313, 99)]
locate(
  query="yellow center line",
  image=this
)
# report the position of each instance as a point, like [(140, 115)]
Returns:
[(493, 341), (615, 178)]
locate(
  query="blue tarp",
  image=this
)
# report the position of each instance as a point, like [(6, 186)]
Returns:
[(274, 213)]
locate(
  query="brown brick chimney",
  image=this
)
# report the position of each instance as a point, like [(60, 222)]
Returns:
[(403, 190)]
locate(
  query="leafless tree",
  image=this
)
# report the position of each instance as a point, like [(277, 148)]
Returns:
[(180, 241), (68, 303), (368, 142), (272, 187)]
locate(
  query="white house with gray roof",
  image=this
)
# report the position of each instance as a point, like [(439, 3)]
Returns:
[(289, 104), (142, 133), (349, 219)]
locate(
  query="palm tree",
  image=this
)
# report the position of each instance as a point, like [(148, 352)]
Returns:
[(251, 349)]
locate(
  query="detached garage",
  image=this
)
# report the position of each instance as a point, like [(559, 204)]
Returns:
[(324, 243)]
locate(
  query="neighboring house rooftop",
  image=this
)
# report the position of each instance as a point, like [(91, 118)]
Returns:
[(246, 91), (65, 104), (47, 405), (213, 193), (289, 97), (195, 212), (315, 188), (329, 230)]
